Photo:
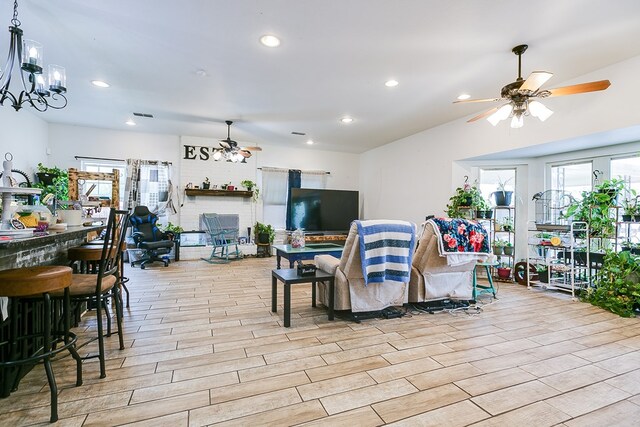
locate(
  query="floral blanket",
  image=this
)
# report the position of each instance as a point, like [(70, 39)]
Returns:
[(460, 236)]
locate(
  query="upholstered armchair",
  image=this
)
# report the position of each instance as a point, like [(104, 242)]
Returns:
[(432, 278), (350, 290)]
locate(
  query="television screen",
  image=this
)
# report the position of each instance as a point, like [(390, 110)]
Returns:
[(323, 210)]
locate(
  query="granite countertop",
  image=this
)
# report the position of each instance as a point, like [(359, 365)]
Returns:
[(52, 237)]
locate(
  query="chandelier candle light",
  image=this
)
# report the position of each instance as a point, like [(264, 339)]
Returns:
[(39, 90)]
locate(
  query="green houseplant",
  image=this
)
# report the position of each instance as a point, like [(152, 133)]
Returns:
[(251, 186), (461, 200), (617, 287), (595, 208), (53, 181), (265, 233)]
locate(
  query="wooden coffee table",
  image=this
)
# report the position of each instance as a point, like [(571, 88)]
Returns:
[(289, 276)]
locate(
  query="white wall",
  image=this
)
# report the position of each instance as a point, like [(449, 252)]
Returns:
[(24, 134), (68, 141), (415, 176), (343, 168)]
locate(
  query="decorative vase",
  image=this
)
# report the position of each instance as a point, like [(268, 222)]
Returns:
[(636, 218), (206, 185)]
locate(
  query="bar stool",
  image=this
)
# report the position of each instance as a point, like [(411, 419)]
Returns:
[(37, 337), (481, 289), (99, 288), (80, 254)]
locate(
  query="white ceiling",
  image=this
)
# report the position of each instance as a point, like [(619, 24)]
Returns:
[(333, 61)]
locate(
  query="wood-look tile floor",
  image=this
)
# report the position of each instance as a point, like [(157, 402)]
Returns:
[(203, 348)]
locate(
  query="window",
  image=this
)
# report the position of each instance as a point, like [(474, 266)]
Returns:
[(274, 193), (492, 180), (572, 178), (628, 169), (102, 188)]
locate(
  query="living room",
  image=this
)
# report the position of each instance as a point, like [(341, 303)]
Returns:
[(406, 150)]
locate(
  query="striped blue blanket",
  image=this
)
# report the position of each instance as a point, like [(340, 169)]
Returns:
[(386, 250)]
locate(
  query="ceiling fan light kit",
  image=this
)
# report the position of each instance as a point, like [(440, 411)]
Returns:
[(519, 96), (230, 151), (38, 90)]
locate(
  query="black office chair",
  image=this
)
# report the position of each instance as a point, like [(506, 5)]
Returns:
[(148, 237)]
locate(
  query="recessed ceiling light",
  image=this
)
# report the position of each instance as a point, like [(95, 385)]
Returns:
[(100, 83), (310, 141), (464, 96), (346, 119), (201, 73), (130, 122), (391, 83), (270, 41)]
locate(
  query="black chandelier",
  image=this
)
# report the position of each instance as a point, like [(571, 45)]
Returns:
[(39, 90)]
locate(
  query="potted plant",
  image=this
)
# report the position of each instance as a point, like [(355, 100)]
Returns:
[(617, 286), (502, 196), (506, 224), (53, 181), (630, 207), (504, 271), (626, 245), (508, 248), (543, 273), (595, 208), (248, 184), (483, 208), (498, 247), (462, 201), (265, 233), (251, 186), (206, 184), (172, 230)]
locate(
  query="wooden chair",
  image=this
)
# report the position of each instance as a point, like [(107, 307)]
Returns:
[(99, 288), (33, 335)]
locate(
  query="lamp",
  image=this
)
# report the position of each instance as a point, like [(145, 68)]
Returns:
[(517, 110), (229, 155), (38, 90)]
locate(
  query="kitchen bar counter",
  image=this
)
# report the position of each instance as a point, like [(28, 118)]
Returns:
[(43, 250)]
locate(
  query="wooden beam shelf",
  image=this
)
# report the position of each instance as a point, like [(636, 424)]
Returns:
[(222, 193)]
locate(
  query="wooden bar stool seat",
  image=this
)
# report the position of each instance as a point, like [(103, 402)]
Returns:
[(34, 334)]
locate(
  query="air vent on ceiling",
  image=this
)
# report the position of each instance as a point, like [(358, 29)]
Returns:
[(149, 116), (298, 133)]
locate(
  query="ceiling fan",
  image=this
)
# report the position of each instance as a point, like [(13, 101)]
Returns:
[(521, 93), (229, 148)]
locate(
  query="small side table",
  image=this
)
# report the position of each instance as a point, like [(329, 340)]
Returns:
[(479, 289), (289, 276)]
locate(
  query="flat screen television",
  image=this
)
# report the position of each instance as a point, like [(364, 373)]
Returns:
[(328, 211)]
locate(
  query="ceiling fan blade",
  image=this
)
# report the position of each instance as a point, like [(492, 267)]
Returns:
[(483, 115), (464, 101), (579, 88), (244, 153), (534, 81), (225, 144), (251, 148)]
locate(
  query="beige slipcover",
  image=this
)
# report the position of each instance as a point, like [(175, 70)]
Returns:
[(433, 279), (350, 291)]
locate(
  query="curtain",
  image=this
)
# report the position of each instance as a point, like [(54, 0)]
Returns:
[(295, 179), (275, 191), (149, 184)]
